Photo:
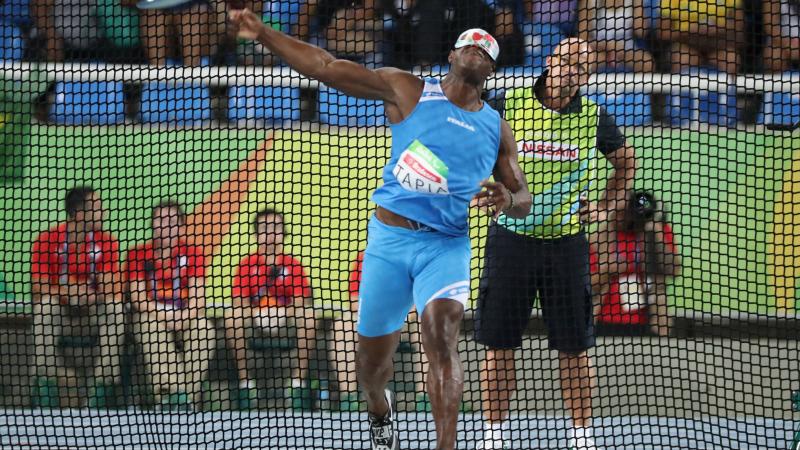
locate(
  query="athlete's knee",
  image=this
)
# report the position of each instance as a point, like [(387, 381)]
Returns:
[(371, 370), (441, 349), (442, 317)]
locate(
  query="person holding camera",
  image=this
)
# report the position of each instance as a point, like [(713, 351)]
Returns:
[(632, 260)]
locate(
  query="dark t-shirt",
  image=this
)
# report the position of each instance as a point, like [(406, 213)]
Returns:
[(609, 136)]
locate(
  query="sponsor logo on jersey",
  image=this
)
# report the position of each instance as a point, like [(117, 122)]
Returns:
[(553, 151), (465, 125), (419, 170)]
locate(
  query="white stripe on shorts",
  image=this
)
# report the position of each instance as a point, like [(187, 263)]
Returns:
[(458, 291)]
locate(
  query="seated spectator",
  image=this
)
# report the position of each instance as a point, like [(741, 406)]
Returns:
[(354, 33), (75, 283), (782, 27), (421, 33), (412, 29), (190, 26), (507, 29), (279, 14), (702, 33), (561, 13), (83, 31), (271, 293), (166, 280), (345, 339), (68, 28), (631, 266), (616, 29)]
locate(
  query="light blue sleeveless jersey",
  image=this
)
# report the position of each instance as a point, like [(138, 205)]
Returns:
[(440, 154)]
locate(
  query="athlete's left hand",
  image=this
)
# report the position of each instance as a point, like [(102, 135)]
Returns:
[(493, 199)]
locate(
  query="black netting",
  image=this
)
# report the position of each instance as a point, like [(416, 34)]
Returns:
[(188, 201)]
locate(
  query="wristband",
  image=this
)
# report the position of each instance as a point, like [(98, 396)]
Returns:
[(511, 197)]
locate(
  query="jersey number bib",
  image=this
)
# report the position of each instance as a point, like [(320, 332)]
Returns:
[(419, 170)]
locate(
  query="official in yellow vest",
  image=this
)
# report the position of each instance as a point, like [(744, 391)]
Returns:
[(561, 138)]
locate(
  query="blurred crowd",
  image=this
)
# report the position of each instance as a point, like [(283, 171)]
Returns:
[(732, 36)]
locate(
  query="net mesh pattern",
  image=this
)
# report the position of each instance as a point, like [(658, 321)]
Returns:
[(187, 203)]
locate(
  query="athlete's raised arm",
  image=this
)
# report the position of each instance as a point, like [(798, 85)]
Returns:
[(509, 192), (387, 84)]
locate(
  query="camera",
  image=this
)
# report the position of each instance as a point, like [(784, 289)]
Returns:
[(643, 205)]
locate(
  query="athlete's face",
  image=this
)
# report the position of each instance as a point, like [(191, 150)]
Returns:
[(168, 226), (269, 233), (570, 66), (473, 60), (91, 214)]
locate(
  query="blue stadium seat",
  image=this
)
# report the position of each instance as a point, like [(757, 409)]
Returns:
[(88, 103), (629, 109), (16, 12), (282, 14), (518, 71), (263, 103), (12, 44), (540, 39), (182, 104), (781, 108), (439, 70), (652, 11), (716, 107), (336, 108)]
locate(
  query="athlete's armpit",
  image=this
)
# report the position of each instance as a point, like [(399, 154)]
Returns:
[(508, 172)]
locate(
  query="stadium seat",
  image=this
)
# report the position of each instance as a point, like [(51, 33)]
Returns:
[(439, 70), (651, 10), (88, 103), (713, 107), (12, 44), (282, 14), (781, 108), (182, 104), (263, 103), (336, 108), (16, 12), (629, 109), (540, 39)]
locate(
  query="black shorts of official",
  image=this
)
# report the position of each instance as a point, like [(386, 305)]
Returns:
[(518, 269)]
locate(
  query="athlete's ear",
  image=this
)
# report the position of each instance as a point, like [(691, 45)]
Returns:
[(450, 56)]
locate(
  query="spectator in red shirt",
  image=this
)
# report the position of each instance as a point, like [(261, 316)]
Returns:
[(631, 267), (166, 278), (272, 293), (75, 279), (345, 338)]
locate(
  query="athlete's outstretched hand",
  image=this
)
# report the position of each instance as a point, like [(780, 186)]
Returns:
[(493, 199), (245, 23)]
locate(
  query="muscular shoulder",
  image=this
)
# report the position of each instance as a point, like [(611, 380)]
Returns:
[(402, 82)]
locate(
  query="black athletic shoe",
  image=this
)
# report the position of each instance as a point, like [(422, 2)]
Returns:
[(381, 429)]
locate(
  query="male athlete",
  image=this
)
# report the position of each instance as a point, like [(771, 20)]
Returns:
[(445, 143)]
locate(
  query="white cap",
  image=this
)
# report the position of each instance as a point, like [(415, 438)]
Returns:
[(480, 38)]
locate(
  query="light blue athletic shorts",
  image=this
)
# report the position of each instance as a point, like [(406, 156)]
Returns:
[(402, 266)]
